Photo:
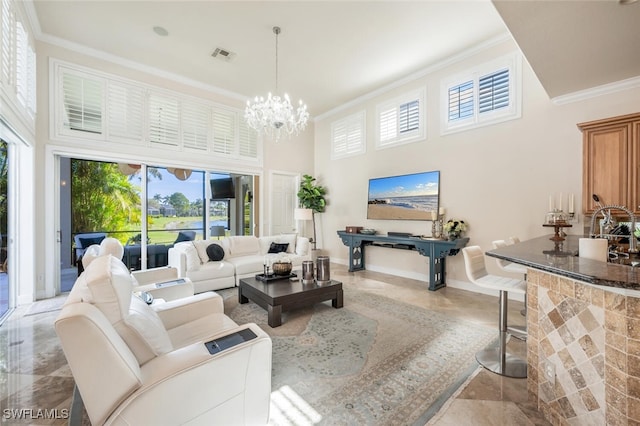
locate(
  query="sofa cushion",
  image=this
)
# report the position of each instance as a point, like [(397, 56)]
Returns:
[(243, 245), (278, 247), (89, 241), (212, 270), (247, 264), (191, 254), (201, 249), (289, 239), (303, 246), (215, 252)]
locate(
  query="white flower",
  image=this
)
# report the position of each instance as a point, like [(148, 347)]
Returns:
[(455, 226)]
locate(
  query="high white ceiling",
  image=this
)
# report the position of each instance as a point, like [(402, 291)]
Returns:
[(331, 52)]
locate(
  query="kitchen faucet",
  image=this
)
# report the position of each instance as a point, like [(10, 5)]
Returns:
[(632, 237)]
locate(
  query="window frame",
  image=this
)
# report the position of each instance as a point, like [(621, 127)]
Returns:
[(353, 122), (512, 63), (388, 107)]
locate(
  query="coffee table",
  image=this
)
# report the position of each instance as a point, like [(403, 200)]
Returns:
[(283, 295)]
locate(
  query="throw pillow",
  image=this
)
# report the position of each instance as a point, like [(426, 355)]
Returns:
[(86, 242), (278, 247), (184, 236), (201, 248), (215, 252)]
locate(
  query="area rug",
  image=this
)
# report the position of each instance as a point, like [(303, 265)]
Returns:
[(377, 361)]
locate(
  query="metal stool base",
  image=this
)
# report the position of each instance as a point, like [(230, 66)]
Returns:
[(504, 364)]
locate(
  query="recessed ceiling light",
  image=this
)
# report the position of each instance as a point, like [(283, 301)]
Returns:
[(627, 1), (161, 31)]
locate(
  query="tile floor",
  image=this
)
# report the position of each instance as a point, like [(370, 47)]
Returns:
[(34, 374)]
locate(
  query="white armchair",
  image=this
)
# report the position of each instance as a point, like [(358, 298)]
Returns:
[(138, 364)]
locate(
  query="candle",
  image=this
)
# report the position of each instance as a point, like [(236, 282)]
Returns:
[(560, 202), (571, 210), (434, 215), (442, 211), (551, 203)]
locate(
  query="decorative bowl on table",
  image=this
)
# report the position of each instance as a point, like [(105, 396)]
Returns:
[(282, 269), (368, 231)]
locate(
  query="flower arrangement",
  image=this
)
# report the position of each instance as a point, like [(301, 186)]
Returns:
[(454, 228)]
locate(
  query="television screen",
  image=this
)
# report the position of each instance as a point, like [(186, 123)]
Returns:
[(410, 197), (222, 189)]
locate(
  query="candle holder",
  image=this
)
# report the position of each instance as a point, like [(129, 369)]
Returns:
[(558, 220), (436, 227)]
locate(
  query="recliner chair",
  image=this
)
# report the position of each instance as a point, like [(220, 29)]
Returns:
[(161, 365)]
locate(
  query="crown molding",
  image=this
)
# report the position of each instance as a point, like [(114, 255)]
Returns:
[(594, 92)]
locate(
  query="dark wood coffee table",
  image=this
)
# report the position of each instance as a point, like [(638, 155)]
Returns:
[(283, 295)]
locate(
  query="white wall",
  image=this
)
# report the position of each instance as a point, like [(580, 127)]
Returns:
[(497, 178), (292, 155)]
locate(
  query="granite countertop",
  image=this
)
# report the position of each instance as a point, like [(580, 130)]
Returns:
[(543, 254)]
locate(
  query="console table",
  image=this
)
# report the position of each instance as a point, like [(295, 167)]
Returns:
[(436, 250)]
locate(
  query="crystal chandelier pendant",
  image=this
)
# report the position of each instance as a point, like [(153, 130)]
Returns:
[(275, 115)]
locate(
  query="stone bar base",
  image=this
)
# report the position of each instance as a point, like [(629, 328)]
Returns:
[(590, 336)]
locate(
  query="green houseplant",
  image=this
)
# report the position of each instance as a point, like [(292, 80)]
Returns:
[(311, 196)]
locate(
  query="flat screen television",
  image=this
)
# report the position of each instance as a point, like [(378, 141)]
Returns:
[(222, 188), (406, 197)]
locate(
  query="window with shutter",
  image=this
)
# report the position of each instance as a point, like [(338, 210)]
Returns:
[(223, 131), (82, 103), (247, 141), (8, 42), (164, 120), (348, 136), (401, 120), (195, 125), (31, 81), (488, 94), (125, 111), (22, 60)]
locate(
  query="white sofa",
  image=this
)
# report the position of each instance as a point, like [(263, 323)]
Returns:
[(136, 364), (244, 257)]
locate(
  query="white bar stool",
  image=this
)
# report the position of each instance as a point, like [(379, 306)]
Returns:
[(513, 268), (495, 359)]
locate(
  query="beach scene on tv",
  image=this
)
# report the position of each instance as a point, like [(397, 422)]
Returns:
[(411, 197)]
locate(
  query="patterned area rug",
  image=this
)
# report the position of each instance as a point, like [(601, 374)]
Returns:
[(376, 361)]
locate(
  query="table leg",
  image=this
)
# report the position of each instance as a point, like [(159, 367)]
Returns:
[(241, 299), (274, 315), (337, 302)]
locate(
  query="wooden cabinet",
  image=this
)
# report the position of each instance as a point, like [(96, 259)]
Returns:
[(611, 158)]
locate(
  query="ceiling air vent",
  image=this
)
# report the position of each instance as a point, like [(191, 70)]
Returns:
[(223, 54)]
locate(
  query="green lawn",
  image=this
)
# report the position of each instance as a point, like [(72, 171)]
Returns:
[(164, 230)]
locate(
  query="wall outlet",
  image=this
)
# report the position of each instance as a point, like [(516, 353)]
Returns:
[(549, 370)]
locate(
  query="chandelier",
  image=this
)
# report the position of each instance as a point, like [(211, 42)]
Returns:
[(275, 114)]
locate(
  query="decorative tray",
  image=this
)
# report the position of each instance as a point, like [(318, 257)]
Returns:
[(274, 277)]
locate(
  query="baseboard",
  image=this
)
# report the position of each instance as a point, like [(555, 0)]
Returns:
[(453, 283)]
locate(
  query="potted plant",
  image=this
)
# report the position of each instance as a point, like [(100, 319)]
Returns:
[(455, 228), (311, 196)]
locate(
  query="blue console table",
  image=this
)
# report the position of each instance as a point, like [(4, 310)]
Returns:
[(436, 250)]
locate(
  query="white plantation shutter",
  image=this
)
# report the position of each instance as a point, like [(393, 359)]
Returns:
[(348, 136), (388, 124), (8, 42), (125, 111), (195, 125), (31, 80), (82, 103), (409, 116), (488, 94), (400, 121), (164, 120), (247, 141), (494, 91), (461, 101), (224, 123), (22, 60)]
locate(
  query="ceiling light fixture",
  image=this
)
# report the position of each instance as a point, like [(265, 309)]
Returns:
[(276, 114), (161, 31)]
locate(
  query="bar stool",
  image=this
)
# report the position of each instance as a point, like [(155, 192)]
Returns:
[(511, 267), (495, 359)]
